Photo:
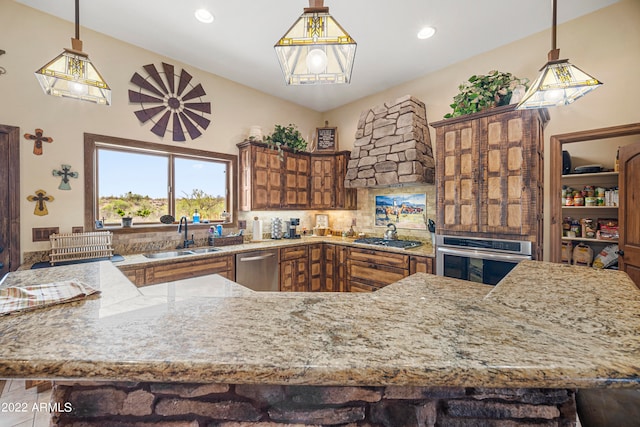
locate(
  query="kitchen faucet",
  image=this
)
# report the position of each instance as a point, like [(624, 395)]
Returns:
[(187, 241)]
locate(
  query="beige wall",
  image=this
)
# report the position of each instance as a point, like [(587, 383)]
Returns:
[(31, 38), (605, 44)]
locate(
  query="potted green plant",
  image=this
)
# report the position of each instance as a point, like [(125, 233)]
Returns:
[(286, 136), (485, 91), (127, 217), (127, 220)]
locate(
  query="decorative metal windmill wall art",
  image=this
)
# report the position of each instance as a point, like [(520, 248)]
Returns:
[(171, 102)]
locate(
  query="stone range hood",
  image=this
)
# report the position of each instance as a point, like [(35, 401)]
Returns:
[(392, 146)]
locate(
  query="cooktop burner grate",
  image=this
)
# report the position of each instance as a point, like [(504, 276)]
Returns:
[(376, 241)]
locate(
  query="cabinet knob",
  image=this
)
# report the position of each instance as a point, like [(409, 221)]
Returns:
[(620, 252)]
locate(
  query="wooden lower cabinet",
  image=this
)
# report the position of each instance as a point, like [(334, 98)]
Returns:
[(318, 267), (294, 269), (340, 284), (420, 264), (316, 262), (134, 273), (182, 269), (369, 270)]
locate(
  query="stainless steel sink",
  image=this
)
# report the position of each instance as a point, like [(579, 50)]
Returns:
[(174, 254), (169, 254), (204, 250)]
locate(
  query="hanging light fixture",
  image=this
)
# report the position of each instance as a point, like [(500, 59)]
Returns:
[(316, 49), (71, 74), (559, 83)]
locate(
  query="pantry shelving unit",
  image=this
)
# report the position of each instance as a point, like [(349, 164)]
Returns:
[(586, 148), (577, 182)]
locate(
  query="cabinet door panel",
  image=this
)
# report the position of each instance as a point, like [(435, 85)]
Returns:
[(316, 276), (458, 170), (296, 189), (420, 264), (323, 182)]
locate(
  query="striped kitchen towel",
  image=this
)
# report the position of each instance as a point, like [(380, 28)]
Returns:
[(31, 297)]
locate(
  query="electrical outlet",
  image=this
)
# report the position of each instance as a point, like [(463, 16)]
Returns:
[(353, 222)]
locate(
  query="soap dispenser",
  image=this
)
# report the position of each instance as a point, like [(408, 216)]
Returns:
[(196, 217)]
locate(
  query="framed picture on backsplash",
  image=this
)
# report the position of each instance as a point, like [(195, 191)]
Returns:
[(402, 210)]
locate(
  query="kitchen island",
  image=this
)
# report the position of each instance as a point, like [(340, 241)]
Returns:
[(426, 349)]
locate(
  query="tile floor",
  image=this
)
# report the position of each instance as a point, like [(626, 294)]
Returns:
[(19, 407)]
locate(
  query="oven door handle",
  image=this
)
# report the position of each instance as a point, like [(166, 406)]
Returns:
[(483, 255)]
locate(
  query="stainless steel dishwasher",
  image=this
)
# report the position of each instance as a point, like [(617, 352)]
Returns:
[(258, 270)]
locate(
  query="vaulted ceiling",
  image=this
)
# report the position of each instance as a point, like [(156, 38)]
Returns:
[(238, 45)]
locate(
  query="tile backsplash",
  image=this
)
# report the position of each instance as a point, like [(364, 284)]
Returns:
[(339, 221)]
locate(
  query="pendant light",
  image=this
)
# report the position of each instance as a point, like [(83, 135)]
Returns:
[(316, 49), (559, 83), (71, 74)]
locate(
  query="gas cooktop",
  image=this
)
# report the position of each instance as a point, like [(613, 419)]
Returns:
[(377, 241)]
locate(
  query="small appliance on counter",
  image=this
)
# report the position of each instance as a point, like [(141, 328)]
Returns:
[(291, 230)]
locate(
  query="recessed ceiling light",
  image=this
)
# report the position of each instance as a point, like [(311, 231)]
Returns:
[(426, 32), (204, 16)]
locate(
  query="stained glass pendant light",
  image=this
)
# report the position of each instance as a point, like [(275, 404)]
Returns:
[(71, 74), (316, 49), (559, 83)]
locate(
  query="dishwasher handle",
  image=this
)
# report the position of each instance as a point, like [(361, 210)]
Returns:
[(256, 258)]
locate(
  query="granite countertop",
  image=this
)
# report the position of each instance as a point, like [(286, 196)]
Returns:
[(545, 325), (426, 249)]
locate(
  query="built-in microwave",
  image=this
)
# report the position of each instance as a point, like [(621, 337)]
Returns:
[(477, 259)]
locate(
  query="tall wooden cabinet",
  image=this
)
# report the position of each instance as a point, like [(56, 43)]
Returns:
[(490, 175), (297, 181)]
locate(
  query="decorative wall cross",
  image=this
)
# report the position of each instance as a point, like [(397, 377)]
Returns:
[(38, 139), (65, 173), (40, 198)]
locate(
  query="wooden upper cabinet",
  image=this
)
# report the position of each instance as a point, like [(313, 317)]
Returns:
[(260, 178), (297, 181), (323, 178), (345, 198), (490, 174)]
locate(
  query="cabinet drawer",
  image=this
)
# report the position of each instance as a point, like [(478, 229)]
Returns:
[(188, 269), (293, 253), (374, 274), (361, 287), (379, 257)]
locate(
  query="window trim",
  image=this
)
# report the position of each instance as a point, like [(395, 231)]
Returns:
[(91, 141)]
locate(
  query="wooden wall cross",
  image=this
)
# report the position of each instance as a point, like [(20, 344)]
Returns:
[(38, 139), (65, 173), (40, 198)]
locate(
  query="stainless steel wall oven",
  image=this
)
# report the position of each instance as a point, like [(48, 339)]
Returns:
[(477, 259)]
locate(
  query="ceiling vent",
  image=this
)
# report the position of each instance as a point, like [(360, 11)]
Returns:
[(392, 146)]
